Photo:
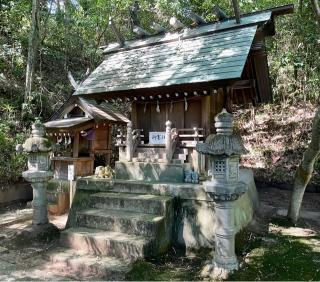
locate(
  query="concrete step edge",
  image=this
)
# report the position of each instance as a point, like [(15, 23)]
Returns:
[(107, 235), (132, 196), (122, 214)]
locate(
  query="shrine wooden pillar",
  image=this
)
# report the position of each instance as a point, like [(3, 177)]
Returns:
[(76, 145)]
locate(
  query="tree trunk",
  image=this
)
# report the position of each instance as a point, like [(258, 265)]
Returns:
[(316, 8), (304, 171), (300, 6), (32, 50)]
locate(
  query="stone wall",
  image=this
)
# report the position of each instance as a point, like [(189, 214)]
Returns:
[(15, 192)]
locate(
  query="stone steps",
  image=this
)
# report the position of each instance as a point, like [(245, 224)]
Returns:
[(135, 187), (122, 221), (157, 155), (176, 161), (143, 203), (182, 157), (101, 243), (148, 160), (80, 265), (112, 231), (150, 155), (150, 150), (180, 150)]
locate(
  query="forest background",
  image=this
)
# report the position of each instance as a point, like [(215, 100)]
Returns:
[(71, 31)]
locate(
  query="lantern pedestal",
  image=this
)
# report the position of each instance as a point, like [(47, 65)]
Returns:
[(38, 173), (225, 260), (224, 150), (39, 181)]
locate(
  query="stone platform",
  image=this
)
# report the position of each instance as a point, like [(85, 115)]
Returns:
[(194, 213), (115, 222)]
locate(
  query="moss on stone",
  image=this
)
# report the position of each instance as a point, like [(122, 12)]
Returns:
[(80, 202)]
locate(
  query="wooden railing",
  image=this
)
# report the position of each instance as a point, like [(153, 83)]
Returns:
[(189, 137), (128, 142), (186, 137)]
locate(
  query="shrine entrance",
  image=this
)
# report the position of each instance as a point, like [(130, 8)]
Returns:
[(183, 114)]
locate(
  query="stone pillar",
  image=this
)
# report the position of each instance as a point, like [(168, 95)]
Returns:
[(225, 260), (168, 141), (39, 203), (129, 142)]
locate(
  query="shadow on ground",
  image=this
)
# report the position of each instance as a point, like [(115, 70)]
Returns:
[(284, 252)]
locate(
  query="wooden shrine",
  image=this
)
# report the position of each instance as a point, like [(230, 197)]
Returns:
[(177, 83), (82, 132)]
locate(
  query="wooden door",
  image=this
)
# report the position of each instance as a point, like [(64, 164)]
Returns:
[(192, 117), (175, 113), (158, 119)]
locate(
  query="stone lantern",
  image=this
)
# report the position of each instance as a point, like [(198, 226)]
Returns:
[(224, 150), (38, 173)]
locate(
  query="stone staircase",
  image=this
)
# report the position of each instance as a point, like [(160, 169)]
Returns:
[(157, 155), (115, 230)]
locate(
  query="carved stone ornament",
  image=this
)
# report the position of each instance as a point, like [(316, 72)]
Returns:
[(37, 142), (225, 142)]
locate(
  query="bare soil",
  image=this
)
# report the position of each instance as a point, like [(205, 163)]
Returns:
[(277, 137)]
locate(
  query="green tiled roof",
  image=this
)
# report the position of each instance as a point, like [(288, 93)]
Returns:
[(207, 53)]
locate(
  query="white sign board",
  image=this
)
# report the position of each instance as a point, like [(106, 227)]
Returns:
[(157, 138), (70, 172)]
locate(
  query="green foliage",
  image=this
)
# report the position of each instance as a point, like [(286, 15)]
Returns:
[(72, 30), (294, 70), (12, 163), (10, 135)]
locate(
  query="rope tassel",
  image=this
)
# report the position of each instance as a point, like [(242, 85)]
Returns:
[(158, 107)]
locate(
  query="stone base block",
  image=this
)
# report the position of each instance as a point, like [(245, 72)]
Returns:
[(151, 172), (79, 265), (102, 243), (61, 206), (58, 196)]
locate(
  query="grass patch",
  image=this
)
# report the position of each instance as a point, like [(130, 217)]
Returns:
[(280, 257), (271, 256), (172, 266)]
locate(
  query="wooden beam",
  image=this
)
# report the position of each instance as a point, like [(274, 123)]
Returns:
[(76, 145)]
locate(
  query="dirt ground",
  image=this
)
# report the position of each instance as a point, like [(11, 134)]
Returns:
[(25, 259)]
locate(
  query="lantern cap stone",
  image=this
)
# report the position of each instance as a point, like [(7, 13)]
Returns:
[(225, 142), (37, 142)]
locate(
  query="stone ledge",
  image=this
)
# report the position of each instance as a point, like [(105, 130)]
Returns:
[(184, 191)]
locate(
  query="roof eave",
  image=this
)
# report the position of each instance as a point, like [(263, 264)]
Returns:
[(170, 89)]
